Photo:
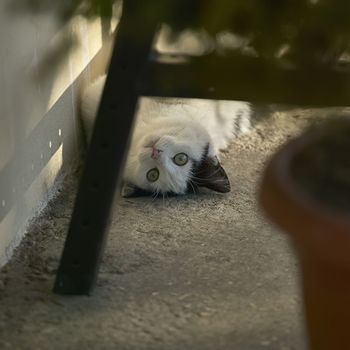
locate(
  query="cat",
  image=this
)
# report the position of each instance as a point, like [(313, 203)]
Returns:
[(176, 142)]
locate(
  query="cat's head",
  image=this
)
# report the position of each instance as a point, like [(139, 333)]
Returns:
[(174, 161)]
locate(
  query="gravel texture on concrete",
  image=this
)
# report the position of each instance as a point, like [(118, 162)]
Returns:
[(193, 272)]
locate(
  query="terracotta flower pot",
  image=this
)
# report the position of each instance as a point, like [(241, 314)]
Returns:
[(320, 232)]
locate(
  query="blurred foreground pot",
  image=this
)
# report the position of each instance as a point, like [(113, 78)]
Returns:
[(321, 237)]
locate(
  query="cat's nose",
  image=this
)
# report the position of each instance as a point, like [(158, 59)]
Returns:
[(155, 153)]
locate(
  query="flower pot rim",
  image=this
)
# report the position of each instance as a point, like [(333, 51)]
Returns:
[(280, 166)]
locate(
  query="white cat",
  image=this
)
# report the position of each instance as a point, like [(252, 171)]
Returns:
[(175, 145)]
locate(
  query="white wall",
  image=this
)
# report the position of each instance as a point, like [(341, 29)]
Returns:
[(39, 134)]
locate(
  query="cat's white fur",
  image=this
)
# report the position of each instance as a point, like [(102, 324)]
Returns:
[(172, 126)]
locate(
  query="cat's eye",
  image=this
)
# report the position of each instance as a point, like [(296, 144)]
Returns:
[(180, 159), (152, 175)]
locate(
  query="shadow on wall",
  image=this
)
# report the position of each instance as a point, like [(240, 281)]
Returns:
[(40, 137)]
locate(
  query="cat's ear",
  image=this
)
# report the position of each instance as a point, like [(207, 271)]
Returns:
[(129, 191), (212, 175)]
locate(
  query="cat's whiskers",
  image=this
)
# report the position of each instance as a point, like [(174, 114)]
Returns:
[(205, 178), (215, 172), (155, 194), (209, 176), (193, 188)]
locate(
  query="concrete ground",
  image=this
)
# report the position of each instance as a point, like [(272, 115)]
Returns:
[(194, 272)]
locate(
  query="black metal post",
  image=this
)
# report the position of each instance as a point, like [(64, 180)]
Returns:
[(89, 224)]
